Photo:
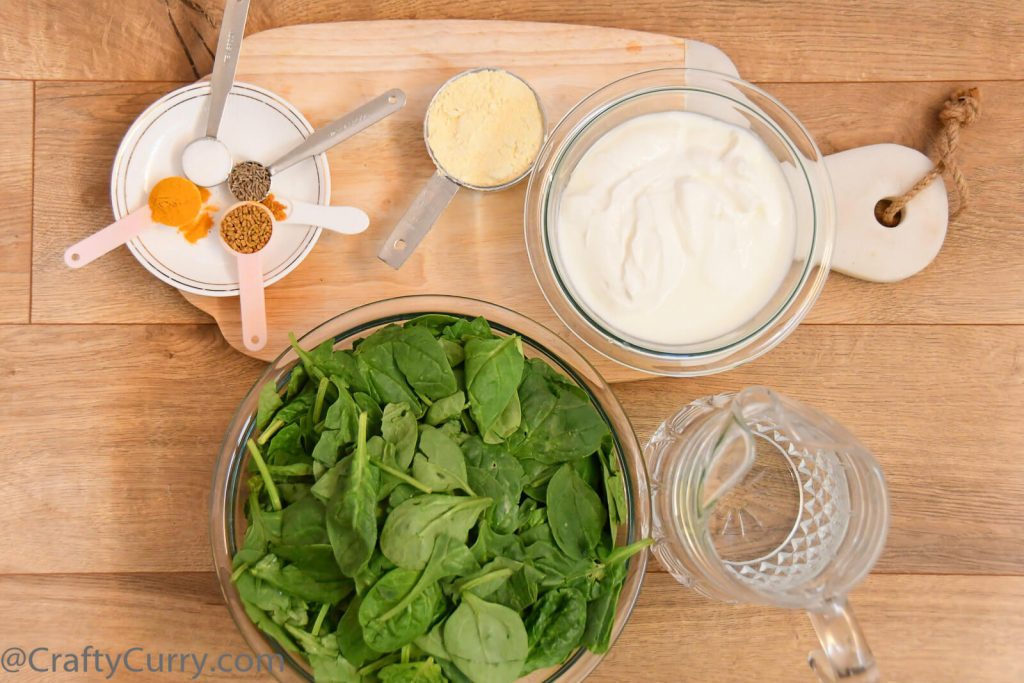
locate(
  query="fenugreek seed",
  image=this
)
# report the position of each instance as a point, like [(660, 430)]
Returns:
[(247, 228)]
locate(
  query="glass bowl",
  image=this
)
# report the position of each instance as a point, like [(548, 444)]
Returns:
[(724, 98), (227, 520)]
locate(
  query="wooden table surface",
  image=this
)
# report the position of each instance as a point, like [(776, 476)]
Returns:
[(114, 400)]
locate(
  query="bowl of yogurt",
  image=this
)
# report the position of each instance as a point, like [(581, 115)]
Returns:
[(680, 221)]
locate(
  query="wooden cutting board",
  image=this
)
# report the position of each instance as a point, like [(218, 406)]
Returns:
[(477, 248)]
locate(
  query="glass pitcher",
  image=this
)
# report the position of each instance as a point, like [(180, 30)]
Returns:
[(759, 499)]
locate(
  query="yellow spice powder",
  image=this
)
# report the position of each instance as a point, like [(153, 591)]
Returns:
[(485, 128)]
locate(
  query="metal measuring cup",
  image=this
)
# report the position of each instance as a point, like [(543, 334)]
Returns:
[(435, 196), (206, 161)]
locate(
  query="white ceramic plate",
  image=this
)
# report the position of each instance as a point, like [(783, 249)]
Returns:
[(257, 125)]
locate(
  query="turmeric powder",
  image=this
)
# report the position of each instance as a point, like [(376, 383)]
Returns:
[(174, 201), (276, 207)]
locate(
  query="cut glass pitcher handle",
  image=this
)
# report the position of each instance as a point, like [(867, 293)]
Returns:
[(844, 656)]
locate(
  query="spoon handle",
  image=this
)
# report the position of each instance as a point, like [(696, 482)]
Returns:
[(347, 220), (109, 238), (250, 295), (325, 137), (232, 27), (421, 215)]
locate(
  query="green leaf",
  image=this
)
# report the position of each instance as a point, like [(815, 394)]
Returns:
[(575, 513), (453, 351), (293, 581), (268, 626), (286, 447), (398, 427), (554, 628), (376, 357), (487, 642), (352, 510), (374, 415), (296, 382), (350, 637), (410, 530), (444, 409), (422, 360), (463, 330), (497, 474), (559, 423), (333, 669), (403, 625), (493, 370), (441, 465), (427, 671), (268, 404)]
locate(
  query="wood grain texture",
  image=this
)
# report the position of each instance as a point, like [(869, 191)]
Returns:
[(119, 473), (16, 200), (391, 165), (78, 129), (776, 40), (963, 628)]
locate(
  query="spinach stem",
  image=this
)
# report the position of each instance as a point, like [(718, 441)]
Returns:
[(270, 431), (238, 572), (320, 619), (398, 474), (318, 404), (268, 482), (379, 664), (307, 360)]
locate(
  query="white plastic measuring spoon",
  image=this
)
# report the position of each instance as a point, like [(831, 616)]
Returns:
[(250, 287), (206, 161), (346, 220)]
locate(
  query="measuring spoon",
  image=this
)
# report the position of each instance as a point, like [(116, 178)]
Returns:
[(117, 233), (206, 161), (250, 287), (346, 220), (439, 191), (323, 139)]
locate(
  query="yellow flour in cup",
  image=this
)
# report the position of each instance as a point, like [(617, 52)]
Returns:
[(485, 128)]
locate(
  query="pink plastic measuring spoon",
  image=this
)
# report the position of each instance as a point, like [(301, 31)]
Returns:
[(250, 288), (109, 238)]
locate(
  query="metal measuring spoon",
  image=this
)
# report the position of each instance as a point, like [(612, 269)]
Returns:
[(250, 180), (439, 191), (206, 161)]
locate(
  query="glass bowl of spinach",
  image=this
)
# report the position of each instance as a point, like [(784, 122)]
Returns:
[(430, 488)]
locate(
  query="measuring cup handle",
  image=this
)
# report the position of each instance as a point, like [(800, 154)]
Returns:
[(424, 211), (109, 238), (251, 301), (844, 656), (232, 27), (325, 137), (346, 220), (866, 249)]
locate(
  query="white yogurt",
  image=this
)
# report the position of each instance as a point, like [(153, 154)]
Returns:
[(675, 228)]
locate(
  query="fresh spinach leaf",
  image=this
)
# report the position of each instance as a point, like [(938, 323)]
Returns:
[(398, 427), (427, 671), (554, 628), (494, 368), (392, 614), (268, 404), (440, 465), (444, 409), (575, 513), (422, 360), (350, 637), (352, 511), (559, 422), (488, 642), (410, 530), (292, 580)]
